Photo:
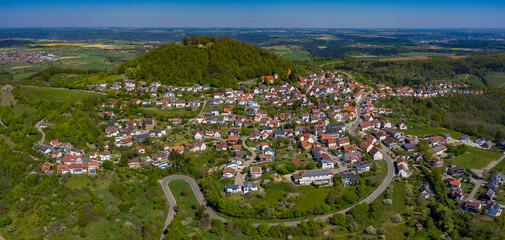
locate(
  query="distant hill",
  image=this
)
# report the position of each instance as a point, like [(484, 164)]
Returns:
[(207, 60)]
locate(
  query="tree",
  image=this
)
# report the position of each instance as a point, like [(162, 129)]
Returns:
[(263, 229), (82, 220), (217, 227), (338, 219), (124, 161), (396, 218), (108, 165)]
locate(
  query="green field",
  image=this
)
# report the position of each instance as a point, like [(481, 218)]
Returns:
[(475, 158), (423, 129), (496, 79), (176, 187), (55, 94), (292, 53)]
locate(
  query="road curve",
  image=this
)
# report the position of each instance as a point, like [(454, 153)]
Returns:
[(212, 214), (172, 202), (37, 125)]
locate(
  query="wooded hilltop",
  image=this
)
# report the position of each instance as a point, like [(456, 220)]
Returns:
[(219, 62)]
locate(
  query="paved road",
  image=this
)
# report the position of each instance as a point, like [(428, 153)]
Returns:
[(240, 177), (200, 113), (172, 203), (37, 125), (201, 199), (478, 183)]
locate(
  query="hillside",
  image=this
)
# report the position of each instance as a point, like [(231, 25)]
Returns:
[(206, 60)]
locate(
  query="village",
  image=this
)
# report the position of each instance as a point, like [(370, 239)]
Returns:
[(326, 128)]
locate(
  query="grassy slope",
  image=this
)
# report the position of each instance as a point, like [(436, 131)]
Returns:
[(54, 94), (496, 79), (475, 158), (423, 129)]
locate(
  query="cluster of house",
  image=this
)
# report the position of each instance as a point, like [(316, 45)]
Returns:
[(69, 159), (431, 90), (17, 56), (138, 87), (486, 203)]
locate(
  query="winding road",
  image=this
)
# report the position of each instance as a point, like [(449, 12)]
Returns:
[(173, 204), (37, 125), (201, 200)]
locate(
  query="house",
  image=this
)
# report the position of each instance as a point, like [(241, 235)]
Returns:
[(77, 168), (105, 155), (198, 146), (409, 147), (498, 176), (92, 167), (366, 145), (493, 209), (220, 146), (232, 139), (300, 162), (315, 176), (480, 141), (228, 172), (400, 125), (45, 168), (157, 132), (62, 169), (438, 150), (250, 187), (197, 134), (464, 139), (326, 164), (363, 167), (470, 206), (402, 168), (457, 194), (162, 156), (232, 188), (255, 172), (436, 161), (455, 171), (425, 191), (134, 163), (352, 157), (493, 184), (375, 153), (55, 143), (349, 178), (452, 182), (487, 195), (343, 141), (389, 142)]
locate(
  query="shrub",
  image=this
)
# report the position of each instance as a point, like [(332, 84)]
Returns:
[(396, 218)]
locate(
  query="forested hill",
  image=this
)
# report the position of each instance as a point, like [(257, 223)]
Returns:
[(200, 60)]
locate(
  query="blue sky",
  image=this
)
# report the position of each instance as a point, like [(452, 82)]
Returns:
[(259, 13)]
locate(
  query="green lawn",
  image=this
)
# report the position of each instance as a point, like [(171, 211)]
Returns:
[(475, 158), (398, 205), (496, 79), (176, 187), (500, 167), (292, 53), (312, 196), (423, 129), (55, 94)]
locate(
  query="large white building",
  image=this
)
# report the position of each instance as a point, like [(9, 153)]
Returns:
[(316, 176)]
